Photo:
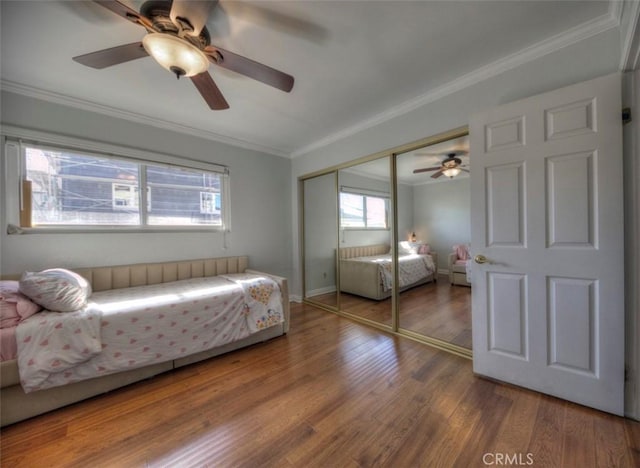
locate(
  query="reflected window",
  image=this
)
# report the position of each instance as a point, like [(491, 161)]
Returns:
[(363, 211)]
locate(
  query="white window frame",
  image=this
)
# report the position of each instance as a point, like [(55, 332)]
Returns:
[(16, 139), (364, 193)]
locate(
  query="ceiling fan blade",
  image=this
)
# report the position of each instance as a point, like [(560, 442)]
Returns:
[(463, 170), (196, 12), (437, 174), (126, 12), (426, 169), (250, 68), (210, 91), (275, 20), (113, 56)]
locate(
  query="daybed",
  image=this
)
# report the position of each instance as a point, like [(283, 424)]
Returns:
[(17, 405), (366, 270)]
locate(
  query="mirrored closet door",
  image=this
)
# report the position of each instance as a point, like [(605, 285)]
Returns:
[(320, 224), (416, 203), (434, 218), (365, 254)]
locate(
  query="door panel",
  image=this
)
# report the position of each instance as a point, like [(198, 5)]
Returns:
[(507, 314), (505, 205), (546, 199), (572, 324), (570, 181)]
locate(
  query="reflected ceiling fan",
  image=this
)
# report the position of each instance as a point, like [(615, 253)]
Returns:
[(179, 41), (451, 165)]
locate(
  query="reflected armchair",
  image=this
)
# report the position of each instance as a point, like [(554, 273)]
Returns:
[(458, 265)]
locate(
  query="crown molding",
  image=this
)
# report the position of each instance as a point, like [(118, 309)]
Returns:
[(630, 22), (62, 99), (616, 9), (552, 44)]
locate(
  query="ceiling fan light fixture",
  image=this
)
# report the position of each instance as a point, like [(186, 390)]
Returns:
[(451, 172), (175, 55)]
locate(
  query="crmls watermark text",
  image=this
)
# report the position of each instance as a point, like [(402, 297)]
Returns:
[(510, 459)]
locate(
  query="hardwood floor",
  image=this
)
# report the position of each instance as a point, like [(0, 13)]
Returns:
[(332, 393), (438, 310)]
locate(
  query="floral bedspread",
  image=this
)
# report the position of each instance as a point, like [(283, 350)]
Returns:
[(144, 325), (262, 298), (52, 342)]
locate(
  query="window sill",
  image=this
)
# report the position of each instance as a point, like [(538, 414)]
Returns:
[(363, 229), (16, 230)]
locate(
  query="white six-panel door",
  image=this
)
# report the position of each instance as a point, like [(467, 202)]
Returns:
[(547, 213)]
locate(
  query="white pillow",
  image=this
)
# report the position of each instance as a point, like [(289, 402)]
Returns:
[(57, 289), (407, 248)]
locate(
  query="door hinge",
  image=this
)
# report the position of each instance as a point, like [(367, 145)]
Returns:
[(626, 115)]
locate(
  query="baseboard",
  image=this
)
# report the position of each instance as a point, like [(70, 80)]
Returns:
[(321, 291)]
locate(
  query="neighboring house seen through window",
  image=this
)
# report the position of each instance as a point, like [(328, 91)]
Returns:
[(73, 189)]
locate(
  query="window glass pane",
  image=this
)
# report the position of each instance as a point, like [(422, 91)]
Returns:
[(183, 197), (351, 210), (74, 189), (362, 211), (376, 212)]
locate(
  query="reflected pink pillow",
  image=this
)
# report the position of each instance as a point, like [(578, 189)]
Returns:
[(461, 250), (424, 249)]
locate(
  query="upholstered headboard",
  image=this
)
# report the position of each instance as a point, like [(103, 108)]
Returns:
[(364, 251), (141, 274), (124, 276)]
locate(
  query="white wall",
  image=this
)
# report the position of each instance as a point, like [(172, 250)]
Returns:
[(260, 199), (442, 214), (406, 221), (321, 231), (596, 56)]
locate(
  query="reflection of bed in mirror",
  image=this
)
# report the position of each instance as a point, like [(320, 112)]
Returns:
[(367, 270)]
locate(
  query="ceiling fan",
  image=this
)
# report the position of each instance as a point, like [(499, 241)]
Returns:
[(450, 166), (179, 41)]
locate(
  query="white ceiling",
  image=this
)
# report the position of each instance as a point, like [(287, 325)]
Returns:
[(353, 61)]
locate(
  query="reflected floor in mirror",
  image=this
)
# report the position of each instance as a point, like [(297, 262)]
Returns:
[(330, 299), (438, 310)]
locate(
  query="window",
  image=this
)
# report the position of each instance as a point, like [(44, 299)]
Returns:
[(178, 196), (209, 202), (71, 189), (360, 211)]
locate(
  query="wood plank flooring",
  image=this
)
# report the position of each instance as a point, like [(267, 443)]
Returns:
[(436, 309), (332, 393)]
